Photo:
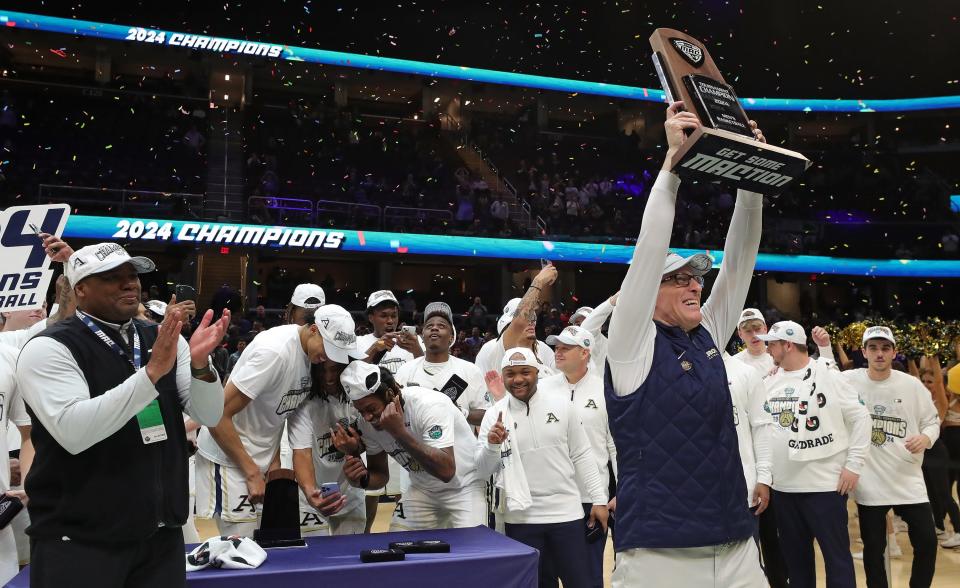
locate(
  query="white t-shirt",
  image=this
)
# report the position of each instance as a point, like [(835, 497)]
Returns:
[(763, 363), (274, 372), (458, 379), (309, 428), (12, 409), (591, 407), (899, 407), (393, 360), (491, 354), (433, 420), (821, 475), (752, 423)]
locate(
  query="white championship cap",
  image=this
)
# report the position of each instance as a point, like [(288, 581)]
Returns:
[(509, 310), (157, 307), (786, 331), (379, 297), (699, 263), (572, 335), (360, 379), (102, 257), (337, 328), (309, 296), (519, 356), (878, 332), (583, 311), (750, 314)]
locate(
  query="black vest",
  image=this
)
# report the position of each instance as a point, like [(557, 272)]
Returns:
[(118, 489)]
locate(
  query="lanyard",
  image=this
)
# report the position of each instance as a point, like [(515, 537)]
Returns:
[(134, 336)]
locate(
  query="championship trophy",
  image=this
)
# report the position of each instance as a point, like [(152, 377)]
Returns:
[(723, 148)]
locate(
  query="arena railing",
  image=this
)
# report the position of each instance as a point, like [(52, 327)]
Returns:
[(418, 215), (282, 210), (114, 202), (335, 213)]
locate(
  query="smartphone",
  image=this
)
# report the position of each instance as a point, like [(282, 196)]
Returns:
[(412, 331), (545, 262), (328, 488), (185, 292)]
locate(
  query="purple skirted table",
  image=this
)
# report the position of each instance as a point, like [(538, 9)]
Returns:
[(479, 557)]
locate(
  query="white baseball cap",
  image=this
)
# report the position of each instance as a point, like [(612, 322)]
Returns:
[(360, 379), (519, 356), (573, 335), (878, 332), (785, 331), (304, 292), (102, 257), (379, 297), (336, 326), (583, 311), (509, 310), (699, 263), (157, 307), (751, 314)]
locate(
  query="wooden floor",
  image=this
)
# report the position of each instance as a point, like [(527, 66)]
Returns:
[(948, 560)]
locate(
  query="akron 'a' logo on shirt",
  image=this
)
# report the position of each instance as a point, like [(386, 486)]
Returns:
[(552, 418), (591, 404)]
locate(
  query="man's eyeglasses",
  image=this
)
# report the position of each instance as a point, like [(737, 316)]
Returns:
[(682, 280)]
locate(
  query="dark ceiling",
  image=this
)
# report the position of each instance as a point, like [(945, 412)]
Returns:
[(785, 48)]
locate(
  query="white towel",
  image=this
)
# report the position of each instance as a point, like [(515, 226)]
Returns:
[(231, 553), (511, 479), (818, 430)]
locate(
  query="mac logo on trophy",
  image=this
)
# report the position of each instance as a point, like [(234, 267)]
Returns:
[(723, 148)]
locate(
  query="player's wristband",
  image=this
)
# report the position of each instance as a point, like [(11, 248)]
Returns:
[(202, 372)]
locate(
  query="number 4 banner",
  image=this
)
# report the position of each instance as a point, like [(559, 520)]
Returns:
[(25, 271)]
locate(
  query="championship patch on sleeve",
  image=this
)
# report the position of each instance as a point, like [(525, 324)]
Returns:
[(435, 432)]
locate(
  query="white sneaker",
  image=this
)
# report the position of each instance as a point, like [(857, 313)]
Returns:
[(951, 542), (942, 534)]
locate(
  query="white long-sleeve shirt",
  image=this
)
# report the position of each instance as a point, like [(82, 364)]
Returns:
[(12, 409), (753, 425), (589, 405), (594, 324), (632, 331), (55, 388), (784, 391), (555, 453), (18, 338), (899, 408)]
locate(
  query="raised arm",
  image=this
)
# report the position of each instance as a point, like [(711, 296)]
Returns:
[(527, 308), (594, 322), (722, 308), (630, 349)]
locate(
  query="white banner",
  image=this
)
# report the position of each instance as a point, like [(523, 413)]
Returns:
[(25, 271)]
